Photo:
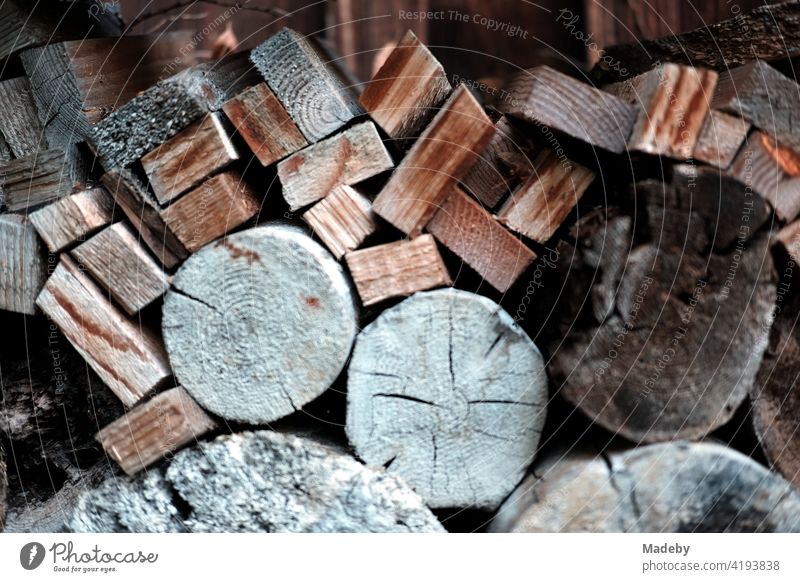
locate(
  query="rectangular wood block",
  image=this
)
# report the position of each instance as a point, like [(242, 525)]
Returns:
[(73, 218), (22, 265), (436, 162), (346, 158), (129, 358), (397, 269), (119, 263), (40, 178), (19, 121), (155, 429), (721, 138), (476, 237), (262, 121), (215, 207), (342, 220), (188, 158)]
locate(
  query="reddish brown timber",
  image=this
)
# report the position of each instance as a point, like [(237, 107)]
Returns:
[(342, 220), (73, 217)]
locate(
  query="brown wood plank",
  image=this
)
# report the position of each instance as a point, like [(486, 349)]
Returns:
[(342, 220), (73, 218), (721, 138), (22, 265)]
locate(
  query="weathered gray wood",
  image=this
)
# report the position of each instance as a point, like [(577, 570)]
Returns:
[(22, 264), (255, 482), (677, 487), (41, 177), (720, 139), (449, 393), (346, 158), (314, 94), (244, 309), (3, 488), (19, 120), (73, 218), (342, 220)]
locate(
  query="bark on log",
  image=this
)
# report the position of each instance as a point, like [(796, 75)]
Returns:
[(342, 220), (241, 311), (677, 487), (73, 218), (22, 265), (256, 482), (448, 393)]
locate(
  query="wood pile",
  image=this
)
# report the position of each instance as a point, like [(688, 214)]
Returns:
[(392, 306)]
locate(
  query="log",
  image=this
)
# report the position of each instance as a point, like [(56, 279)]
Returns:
[(544, 200), (19, 121), (308, 85), (480, 241), (240, 312), (22, 265), (264, 124), (216, 207), (720, 139), (255, 482), (142, 210), (435, 163), (154, 430), (127, 356), (72, 218), (448, 393), (404, 94), (168, 107), (185, 160), (118, 262), (677, 487), (344, 159), (672, 102), (549, 99), (41, 177), (397, 269), (342, 220)]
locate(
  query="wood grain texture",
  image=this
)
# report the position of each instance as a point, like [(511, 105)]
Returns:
[(342, 220), (118, 262), (73, 218), (19, 120), (397, 269), (545, 97), (346, 158), (243, 309), (474, 235), (264, 124), (22, 265), (314, 94), (143, 213), (449, 393), (188, 158), (129, 358), (41, 177), (155, 429), (440, 158), (217, 206), (720, 139), (404, 94), (541, 203)]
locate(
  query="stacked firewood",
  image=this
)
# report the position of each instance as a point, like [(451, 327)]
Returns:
[(256, 252)]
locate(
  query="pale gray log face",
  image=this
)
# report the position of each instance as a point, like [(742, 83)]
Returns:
[(451, 394), (259, 323)]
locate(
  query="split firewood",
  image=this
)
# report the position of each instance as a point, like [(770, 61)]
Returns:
[(19, 120), (73, 218), (118, 262), (41, 177), (476, 237), (346, 158), (308, 85), (541, 203), (155, 429), (767, 33), (264, 124), (397, 269), (142, 210), (720, 139), (22, 265), (78, 82), (255, 482), (676, 487), (789, 240), (168, 107), (546, 98), (342, 220), (128, 357), (3, 488), (437, 161), (404, 94), (240, 312), (216, 207), (673, 102), (185, 160), (447, 392)]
